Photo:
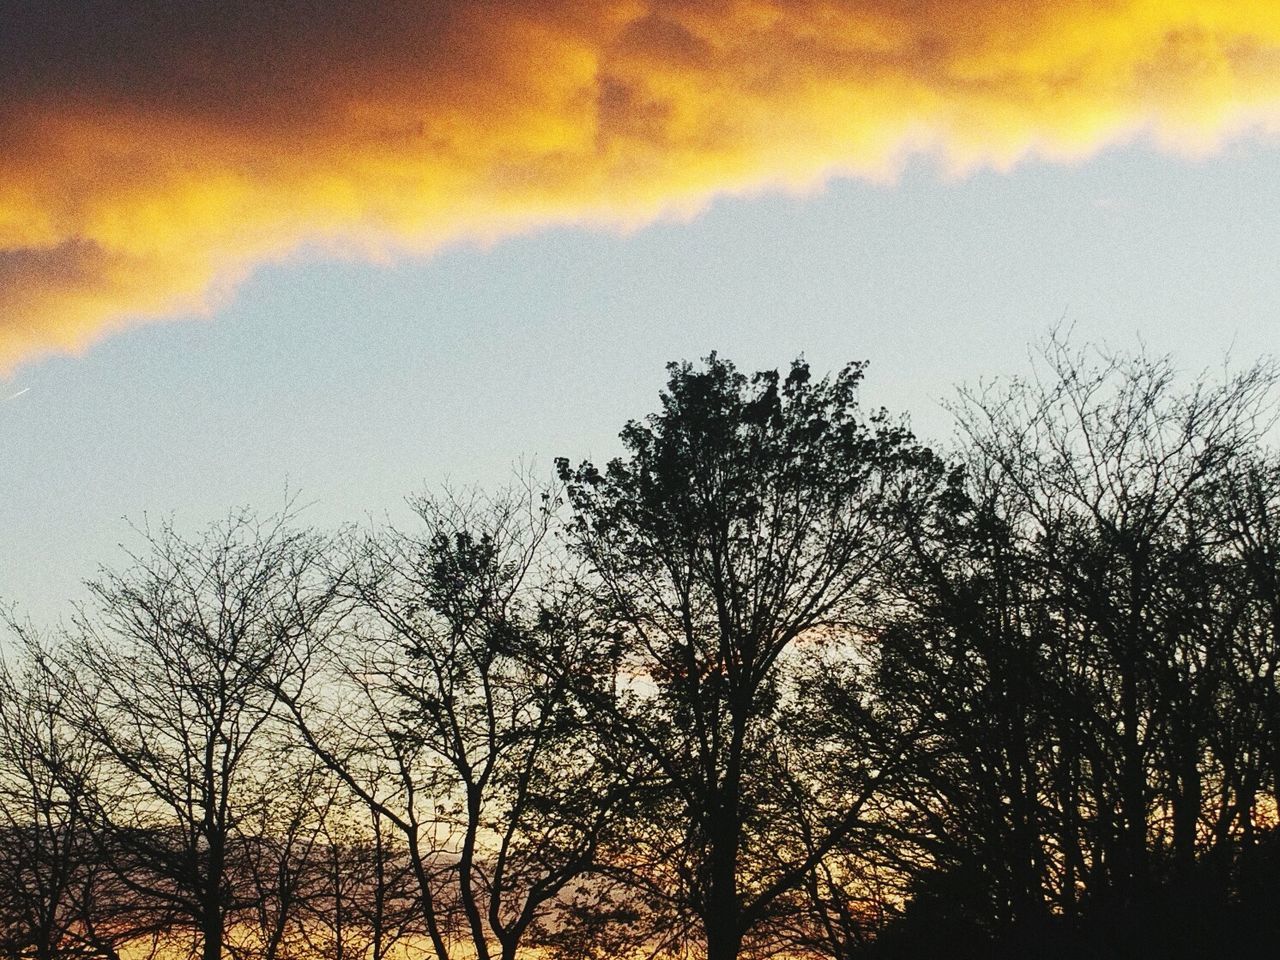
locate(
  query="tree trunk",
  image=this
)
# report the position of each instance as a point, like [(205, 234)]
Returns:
[(212, 920), (723, 940), (724, 831), (211, 949), (1133, 788), (1186, 812)]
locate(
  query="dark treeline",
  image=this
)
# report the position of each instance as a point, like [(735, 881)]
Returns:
[(779, 680)]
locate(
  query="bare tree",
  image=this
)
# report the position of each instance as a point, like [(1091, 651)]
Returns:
[(362, 899), (439, 713), (1071, 635), (46, 856), (169, 676)]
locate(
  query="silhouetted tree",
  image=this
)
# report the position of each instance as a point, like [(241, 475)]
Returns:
[(440, 714), (749, 516), (362, 901), (169, 676), (46, 854), (1071, 638)]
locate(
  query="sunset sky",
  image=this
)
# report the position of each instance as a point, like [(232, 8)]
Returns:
[(353, 250)]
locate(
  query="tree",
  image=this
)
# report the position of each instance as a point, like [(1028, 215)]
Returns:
[(170, 677), (440, 712), (1072, 632), (749, 516), (47, 862)]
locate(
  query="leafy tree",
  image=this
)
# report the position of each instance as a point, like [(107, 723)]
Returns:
[(750, 518)]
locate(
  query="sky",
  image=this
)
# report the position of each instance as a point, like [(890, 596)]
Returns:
[(252, 248)]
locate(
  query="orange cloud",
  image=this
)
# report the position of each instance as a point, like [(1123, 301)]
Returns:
[(152, 152)]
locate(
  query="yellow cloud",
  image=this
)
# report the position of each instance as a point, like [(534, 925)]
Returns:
[(152, 152)]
